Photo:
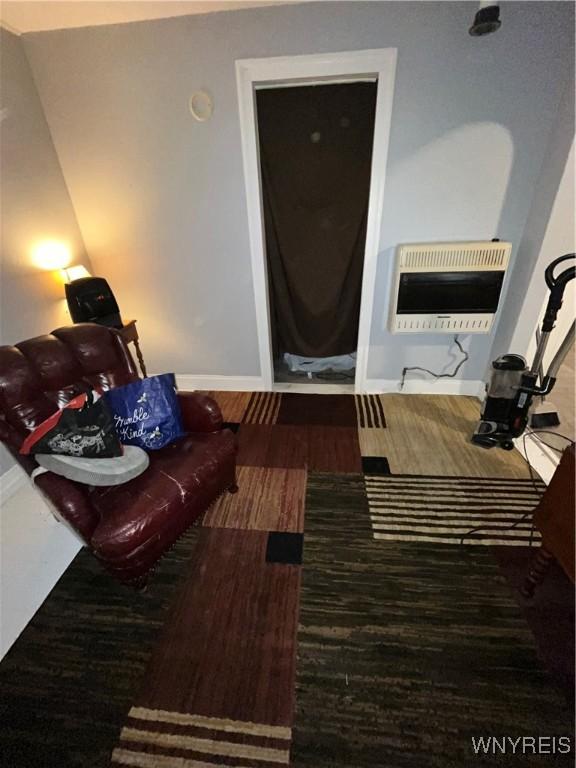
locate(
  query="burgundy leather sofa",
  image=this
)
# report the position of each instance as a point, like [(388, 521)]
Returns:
[(128, 527)]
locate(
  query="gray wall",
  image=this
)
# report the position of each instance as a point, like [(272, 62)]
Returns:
[(544, 239), (35, 206), (160, 198)]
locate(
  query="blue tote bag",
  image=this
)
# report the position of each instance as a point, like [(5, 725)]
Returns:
[(147, 413)]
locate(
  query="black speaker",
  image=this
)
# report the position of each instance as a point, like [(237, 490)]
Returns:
[(90, 300)]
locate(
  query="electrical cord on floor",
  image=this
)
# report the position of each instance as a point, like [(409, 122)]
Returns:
[(438, 375), (527, 514), (510, 528), (533, 478), (537, 432)]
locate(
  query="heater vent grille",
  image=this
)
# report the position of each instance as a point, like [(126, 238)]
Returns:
[(473, 323), (446, 303), (454, 256)]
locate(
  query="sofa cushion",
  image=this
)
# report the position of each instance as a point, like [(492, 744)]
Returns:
[(181, 482)]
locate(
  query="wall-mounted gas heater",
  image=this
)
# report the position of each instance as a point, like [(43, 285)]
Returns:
[(448, 287)]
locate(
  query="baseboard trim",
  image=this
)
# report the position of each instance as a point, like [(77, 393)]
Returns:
[(188, 381), (11, 481), (314, 388), (470, 387), (191, 381)]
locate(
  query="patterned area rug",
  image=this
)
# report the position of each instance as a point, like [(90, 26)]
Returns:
[(326, 615), (453, 510), (70, 678), (406, 650)]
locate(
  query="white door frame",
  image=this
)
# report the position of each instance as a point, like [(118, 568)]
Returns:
[(348, 64)]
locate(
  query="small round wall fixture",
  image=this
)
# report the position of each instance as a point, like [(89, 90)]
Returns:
[(201, 106), (486, 20)]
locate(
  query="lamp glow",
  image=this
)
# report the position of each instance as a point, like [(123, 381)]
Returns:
[(74, 273), (51, 255)]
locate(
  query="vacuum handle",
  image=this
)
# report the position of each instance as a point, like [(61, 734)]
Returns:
[(549, 273), (549, 380), (557, 285)]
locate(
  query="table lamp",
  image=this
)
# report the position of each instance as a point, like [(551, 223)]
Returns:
[(90, 299)]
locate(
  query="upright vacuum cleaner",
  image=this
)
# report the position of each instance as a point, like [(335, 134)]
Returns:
[(513, 385)]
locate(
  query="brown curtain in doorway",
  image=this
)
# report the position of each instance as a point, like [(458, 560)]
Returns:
[(315, 154)]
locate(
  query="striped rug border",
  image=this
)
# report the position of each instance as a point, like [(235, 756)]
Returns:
[(458, 478), (149, 756), (157, 738), (208, 746), (468, 540), (127, 757), (370, 412), (212, 723), (449, 509), (262, 408)]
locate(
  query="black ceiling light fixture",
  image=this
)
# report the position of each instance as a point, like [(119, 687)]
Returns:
[(487, 19)]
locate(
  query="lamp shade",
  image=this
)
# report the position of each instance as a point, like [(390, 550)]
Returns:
[(75, 273)]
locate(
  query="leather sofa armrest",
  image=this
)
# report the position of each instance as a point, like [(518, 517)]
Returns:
[(70, 501), (200, 413)]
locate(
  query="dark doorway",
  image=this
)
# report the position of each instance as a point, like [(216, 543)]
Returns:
[(315, 156)]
